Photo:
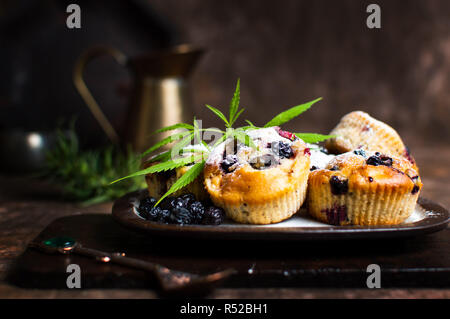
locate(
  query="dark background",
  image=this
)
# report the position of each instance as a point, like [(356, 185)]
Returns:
[(285, 52)]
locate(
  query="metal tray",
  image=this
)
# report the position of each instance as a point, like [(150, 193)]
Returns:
[(428, 217)]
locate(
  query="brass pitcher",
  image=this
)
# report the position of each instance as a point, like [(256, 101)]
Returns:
[(160, 96)]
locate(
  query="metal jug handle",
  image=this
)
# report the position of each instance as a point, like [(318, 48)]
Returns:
[(80, 85)]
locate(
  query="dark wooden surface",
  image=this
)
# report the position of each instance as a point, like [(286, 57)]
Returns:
[(27, 207), (413, 262)]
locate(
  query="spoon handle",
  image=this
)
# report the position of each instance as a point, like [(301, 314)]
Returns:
[(117, 258)]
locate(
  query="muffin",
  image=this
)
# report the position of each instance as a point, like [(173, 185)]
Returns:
[(159, 183), (259, 186), (359, 130), (363, 188), (319, 156)]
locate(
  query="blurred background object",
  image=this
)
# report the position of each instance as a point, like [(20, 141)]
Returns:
[(160, 96), (285, 54)]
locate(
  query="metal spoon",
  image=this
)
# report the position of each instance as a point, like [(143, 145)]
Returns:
[(170, 281)]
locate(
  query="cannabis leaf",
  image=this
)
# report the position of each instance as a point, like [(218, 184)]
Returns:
[(313, 137), (164, 166), (165, 141), (242, 137), (174, 127), (288, 115), (169, 159)]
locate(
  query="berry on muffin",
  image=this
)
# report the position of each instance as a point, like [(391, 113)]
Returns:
[(358, 130), (260, 185), (364, 188)]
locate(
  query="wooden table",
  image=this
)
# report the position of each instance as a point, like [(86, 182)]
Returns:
[(27, 206)]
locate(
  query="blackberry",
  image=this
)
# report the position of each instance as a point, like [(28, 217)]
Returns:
[(338, 186), (179, 203), (227, 162), (213, 216), (154, 214), (145, 206), (168, 203), (163, 216), (198, 211), (188, 198), (181, 216), (282, 149)]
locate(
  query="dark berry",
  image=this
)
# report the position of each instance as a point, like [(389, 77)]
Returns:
[(180, 203), (197, 210), (263, 161), (336, 214), (360, 152), (181, 216), (228, 162), (334, 168), (282, 149), (154, 214), (338, 186), (164, 215), (188, 198), (213, 216), (370, 179), (415, 189), (145, 206), (379, 159), (313, 168), (168, 203)]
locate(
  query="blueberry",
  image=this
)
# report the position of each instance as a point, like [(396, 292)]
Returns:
[(338, 186), (213, 216), (227, 162), (360, 152), (181, 216), (379, 159), (282, 149)]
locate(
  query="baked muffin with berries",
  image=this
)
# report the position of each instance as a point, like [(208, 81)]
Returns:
[(364, 188), (159, 183), (260, 185), (359, 130)]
